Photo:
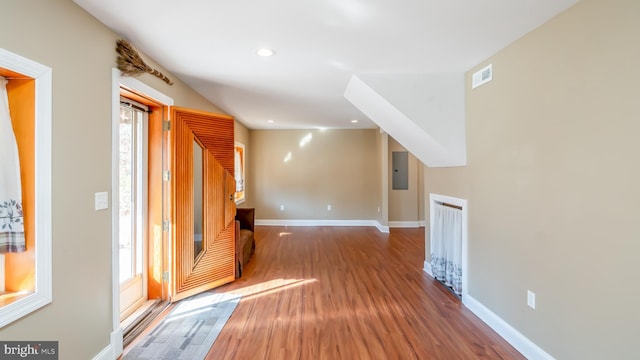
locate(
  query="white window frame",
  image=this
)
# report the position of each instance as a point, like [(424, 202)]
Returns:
[(43, 254), (243, 174)]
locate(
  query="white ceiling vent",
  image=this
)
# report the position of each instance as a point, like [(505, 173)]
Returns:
[(482, 76)]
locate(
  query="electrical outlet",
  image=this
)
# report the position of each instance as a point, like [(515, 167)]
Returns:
[(328, 207), (531, 299), (281, 207)]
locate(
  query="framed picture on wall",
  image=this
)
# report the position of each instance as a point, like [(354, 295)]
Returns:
[(239, 172)]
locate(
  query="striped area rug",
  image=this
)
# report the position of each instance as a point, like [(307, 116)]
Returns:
[(189, 330)]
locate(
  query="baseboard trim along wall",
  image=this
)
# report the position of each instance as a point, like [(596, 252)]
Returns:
[(382, 228), (520, 342), (106, 354), (525, 346), (285, 222), (113, 350), (404, 224), (427, 268)]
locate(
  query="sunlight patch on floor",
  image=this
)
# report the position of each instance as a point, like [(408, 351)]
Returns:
[(270, 287), (198, 304)]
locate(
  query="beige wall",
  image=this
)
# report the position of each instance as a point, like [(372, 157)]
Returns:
[(241, 133), (80, 50), (404, 205), (337, 167), (552, 182)]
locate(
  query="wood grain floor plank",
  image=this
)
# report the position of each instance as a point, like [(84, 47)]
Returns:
[(348, 293)]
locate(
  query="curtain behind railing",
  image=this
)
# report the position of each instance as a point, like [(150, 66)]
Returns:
[(446, 246), (11, 221)]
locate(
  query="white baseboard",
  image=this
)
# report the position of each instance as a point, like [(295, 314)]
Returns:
[(285, 222), (427, 268), (113, 350), (105, 354), (404, 224), (423, 223), (525, 346), (382, 228)]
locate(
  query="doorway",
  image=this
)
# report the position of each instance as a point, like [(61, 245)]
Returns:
[(139, 197), (140, 267)]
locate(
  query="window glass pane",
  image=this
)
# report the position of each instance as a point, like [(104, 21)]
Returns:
[(239, 172), (197, 199), (126, 181), (138, 193)]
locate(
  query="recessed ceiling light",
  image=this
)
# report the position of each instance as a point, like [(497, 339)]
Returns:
[(265, 52), (270, 121), (354, 121)]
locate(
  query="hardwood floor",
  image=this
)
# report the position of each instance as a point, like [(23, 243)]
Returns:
[(348, 293)]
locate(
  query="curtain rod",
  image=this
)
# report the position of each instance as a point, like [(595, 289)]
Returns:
[(450, 205), (16, 77), (133, 106)]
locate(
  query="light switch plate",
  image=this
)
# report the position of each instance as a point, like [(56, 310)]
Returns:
[(101, 200)]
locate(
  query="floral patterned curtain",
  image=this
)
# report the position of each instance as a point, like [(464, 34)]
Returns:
[(11, 221), (446, 246)]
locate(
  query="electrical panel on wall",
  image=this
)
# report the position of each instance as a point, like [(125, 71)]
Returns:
[(400, 165)]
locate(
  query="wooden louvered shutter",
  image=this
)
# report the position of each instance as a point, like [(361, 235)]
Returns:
[(216, 263)]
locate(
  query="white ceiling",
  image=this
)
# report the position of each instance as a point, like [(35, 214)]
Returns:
[(211, 45)]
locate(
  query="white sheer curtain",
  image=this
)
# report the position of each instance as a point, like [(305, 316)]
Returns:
[(446, 246), (11, 220)]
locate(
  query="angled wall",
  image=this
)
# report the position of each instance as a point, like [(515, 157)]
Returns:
[(423, 112)]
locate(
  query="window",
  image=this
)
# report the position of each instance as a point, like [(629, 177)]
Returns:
[(132, 200), (239, 172), (34, 82)]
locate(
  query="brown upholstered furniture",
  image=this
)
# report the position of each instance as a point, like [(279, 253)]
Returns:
[(245, 241)]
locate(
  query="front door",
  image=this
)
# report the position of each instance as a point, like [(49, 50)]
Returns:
[(203, 205)]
